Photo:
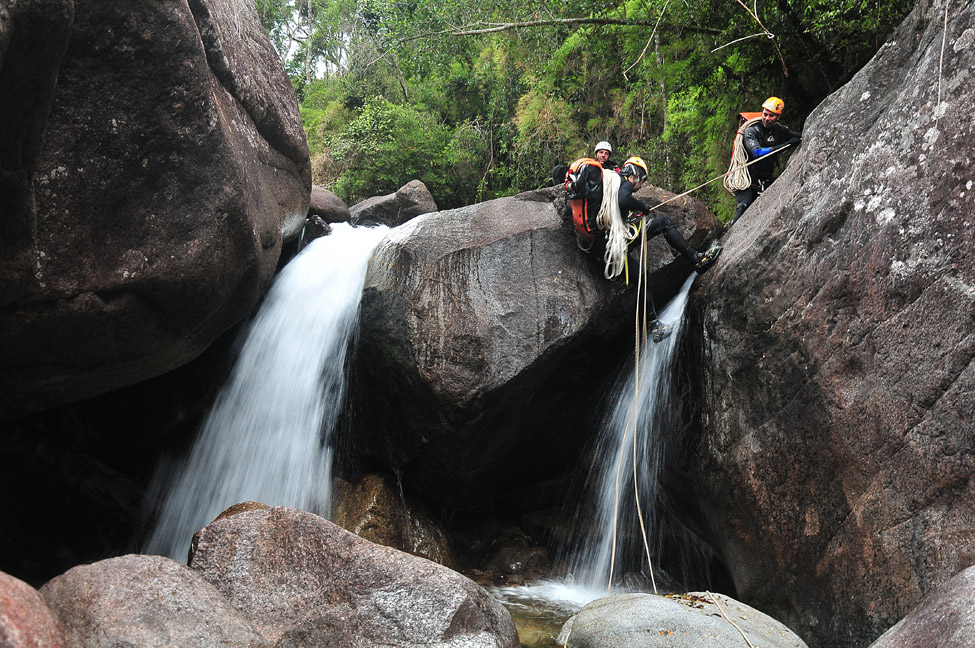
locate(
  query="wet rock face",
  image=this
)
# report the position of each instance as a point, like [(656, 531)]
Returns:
[(835, 454), (173, 164), (373, 509), (304, 581), (486, 339)]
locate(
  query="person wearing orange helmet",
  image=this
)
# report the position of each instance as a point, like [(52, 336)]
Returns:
[(633, 175), (761, 141)]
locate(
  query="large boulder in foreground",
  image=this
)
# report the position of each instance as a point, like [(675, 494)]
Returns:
[(695, 620), (173, 164), (305, 582), (145, 601), (25, 619), (945, 618), (835, 457), (486, 340)]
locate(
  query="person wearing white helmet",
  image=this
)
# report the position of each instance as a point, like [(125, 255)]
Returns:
[(602, 153)]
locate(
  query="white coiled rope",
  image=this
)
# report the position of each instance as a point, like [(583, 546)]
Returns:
[(738, 178), (618, 233)]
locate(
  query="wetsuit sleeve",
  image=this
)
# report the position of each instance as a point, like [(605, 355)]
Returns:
[(792, 133), (753, 143), (629, 203)]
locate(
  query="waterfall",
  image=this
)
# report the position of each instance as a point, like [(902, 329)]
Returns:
[(266, 437), (630, 435)]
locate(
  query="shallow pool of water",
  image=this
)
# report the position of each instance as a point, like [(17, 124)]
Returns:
[(540, 610)]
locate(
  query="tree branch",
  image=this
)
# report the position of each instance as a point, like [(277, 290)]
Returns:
[(499, 27)]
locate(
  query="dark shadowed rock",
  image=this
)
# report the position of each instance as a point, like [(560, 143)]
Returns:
[(173, 165), (486, 339), (25, 619), (145, 601), (412, 199), (695, 620), (372, 508), (836, 458), (33, 37), (328, 206), (945, 619), (305, 582)]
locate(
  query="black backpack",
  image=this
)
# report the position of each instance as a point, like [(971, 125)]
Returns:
[(584, 179)]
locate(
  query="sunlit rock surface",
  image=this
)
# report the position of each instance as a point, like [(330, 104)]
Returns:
[(147, 601), (303, 581)]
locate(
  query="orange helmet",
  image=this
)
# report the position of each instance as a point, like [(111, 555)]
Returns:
[(774, 105), (635, 166)]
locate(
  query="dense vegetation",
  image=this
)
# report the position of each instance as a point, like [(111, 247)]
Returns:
[(480, 99)]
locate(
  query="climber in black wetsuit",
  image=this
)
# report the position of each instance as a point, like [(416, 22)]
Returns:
[(761, 140), (634, 173)]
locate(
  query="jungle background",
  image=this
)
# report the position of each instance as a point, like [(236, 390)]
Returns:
[(482, 99)]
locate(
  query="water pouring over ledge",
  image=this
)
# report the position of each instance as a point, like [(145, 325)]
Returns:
[(266, 436), (629, 436)]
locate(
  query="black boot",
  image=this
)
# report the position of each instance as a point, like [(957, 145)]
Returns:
[(707, 258)]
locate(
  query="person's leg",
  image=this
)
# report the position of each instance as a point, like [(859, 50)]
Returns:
[(701, 260), (665, 226), (743, 199)]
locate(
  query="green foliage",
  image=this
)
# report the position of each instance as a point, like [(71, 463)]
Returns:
[(388, 94), (387, 145)]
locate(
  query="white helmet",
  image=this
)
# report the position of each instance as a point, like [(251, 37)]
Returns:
[(603, 146)]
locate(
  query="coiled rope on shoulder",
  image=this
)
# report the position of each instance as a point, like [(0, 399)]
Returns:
[(618, 233), (737, 178)]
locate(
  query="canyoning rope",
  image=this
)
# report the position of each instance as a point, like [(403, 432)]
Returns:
[(721, 610), (715, 179), (737, 178), (618, 232), (616, 262), (640, 337), (640, 342)]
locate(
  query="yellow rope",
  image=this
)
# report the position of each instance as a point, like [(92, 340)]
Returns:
[(640, 340), (743, 635), (631, 419)]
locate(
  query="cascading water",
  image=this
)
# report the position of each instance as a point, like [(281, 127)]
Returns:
[(266, 437), (630, 436), (630, 442)]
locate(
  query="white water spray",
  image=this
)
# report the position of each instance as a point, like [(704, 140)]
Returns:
[(634, 415), (630, 439), (266, 437)]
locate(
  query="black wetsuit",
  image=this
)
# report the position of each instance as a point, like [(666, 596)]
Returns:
[(659, 225), (759, 141)]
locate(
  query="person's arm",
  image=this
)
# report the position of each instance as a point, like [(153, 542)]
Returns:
[(789, 136), (753, 144), (628, 202)]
